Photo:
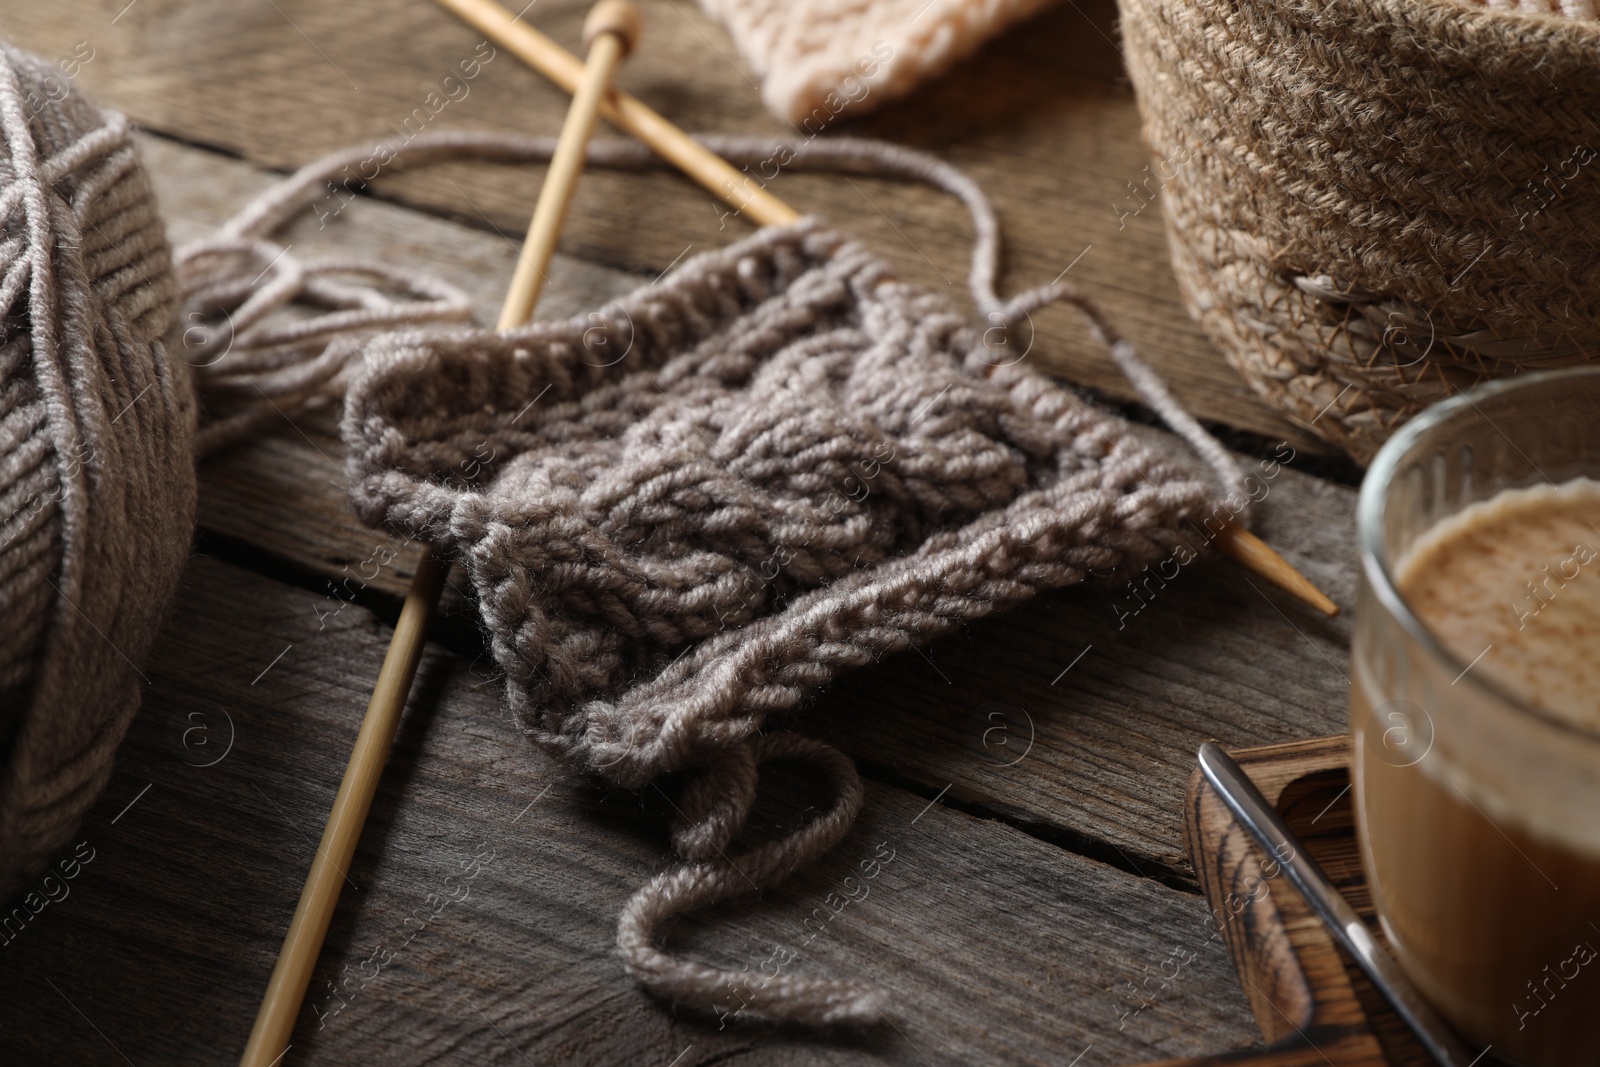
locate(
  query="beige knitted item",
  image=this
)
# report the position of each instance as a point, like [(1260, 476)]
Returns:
[(97, 489), (818, 57), (1375, 203), (688, 511)]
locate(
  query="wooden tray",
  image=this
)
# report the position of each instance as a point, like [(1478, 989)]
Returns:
[(1313, 1006)]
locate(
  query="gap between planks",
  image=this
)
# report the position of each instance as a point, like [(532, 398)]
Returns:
[(1043, 117), (1093, 787), (177, 918)]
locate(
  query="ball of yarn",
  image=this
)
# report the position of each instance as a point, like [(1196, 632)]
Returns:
[(98, 417), (97, 482)]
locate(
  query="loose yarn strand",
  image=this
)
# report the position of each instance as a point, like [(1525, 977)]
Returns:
[(265, 365), (618, 584), (709, 876), (216, 273)]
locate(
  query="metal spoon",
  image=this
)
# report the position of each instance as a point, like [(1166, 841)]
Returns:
[(1241, 796)]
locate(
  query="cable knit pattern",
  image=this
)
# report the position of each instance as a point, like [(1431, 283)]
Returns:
[(688, 511), (681, 514), (817, 56)]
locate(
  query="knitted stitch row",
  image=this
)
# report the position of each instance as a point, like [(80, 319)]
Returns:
[(710, 497)]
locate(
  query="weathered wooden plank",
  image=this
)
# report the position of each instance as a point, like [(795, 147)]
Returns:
[(1082, 710), (1079, 713), (994, 946), (1112, 739), (1043, 117), (285, 491)]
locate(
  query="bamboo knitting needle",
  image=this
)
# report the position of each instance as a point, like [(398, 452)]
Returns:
[(1246, 548), (733, 186), (626, 112), (610, 32)]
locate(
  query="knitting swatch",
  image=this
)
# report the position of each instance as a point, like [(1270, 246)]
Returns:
[(689, 511)]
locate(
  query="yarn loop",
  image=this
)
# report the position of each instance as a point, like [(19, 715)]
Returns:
[(799, 467), (681, 515)]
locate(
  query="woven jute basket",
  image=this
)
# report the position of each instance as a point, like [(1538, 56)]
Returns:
[(1373, 204)]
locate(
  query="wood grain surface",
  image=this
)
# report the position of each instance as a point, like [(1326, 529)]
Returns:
[(1005, 713), (1044, 118), (1307, 995), (1028, 772), (992, 946)]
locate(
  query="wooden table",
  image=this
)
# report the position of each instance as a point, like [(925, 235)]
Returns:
[(1028, 773)]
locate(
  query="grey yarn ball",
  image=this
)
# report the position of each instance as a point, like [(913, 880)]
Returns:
[(97, 482)]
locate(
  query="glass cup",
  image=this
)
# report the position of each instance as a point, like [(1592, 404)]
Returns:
[(1478, 814)]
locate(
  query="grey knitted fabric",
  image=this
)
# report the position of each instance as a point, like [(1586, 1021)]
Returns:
[(97, 487), (681, 515), (687, 512)]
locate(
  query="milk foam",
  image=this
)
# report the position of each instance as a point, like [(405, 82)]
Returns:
[(1512, 585)]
